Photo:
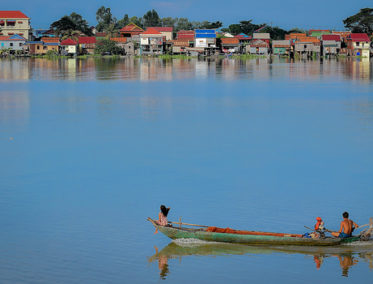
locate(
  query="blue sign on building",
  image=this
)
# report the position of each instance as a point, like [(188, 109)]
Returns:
[(205, 33)]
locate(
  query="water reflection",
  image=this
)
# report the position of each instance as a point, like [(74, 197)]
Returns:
[(14, 107), (153, 69), (347, 256)]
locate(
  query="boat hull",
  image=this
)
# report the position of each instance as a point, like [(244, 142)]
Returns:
[(184, 233)]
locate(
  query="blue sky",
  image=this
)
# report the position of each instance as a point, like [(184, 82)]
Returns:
[(285, 13)]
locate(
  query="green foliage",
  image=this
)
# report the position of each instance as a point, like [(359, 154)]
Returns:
[(235, 29), (137, 21), (74, 22), (168, 22), (151, 19), (73, 34), (104, 18), (106, 46), (247, 27), (123, 22), (211, 25), (362, 22), (51, 54), (183, 24), (296, 30), (275, 32)]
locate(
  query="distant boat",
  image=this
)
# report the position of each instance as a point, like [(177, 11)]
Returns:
[(213, 234)]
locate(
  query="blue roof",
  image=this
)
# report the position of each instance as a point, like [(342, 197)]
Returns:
[(34, 42), (242, 34), (52, 43), (16, 36), (205, 33)]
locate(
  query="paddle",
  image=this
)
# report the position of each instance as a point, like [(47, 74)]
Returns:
[(365, 235), (326, 230), (370, 223), (180, 223)]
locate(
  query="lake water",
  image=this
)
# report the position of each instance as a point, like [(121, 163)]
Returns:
[(90, 148)]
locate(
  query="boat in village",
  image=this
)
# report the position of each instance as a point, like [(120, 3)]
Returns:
[(227, 235)]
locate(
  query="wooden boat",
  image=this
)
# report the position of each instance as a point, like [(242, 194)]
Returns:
[(245, 237)]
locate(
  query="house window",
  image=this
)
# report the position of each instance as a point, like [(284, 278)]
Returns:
[(2, 23), (10, 23), (38, 47), (20, 44), (358, 44), (11, 44), (20, 22)]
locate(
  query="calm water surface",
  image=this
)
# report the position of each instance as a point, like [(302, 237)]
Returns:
[(90, 148)]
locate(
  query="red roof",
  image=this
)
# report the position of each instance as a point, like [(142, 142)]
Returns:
[(119, 39), (13, 15), (86, 39), (164, 29), (310, 31), (151, 31), (331, 37), (185, 34), (131, 28), (68, 41), (50, 39), (230, 40), (359, 37), (4, 37)]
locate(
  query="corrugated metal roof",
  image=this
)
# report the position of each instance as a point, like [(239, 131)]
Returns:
[(131, 27), (230, 40), (50, 39), (359, 37), (68, 41), (119, 39), (261, 36), (151, 31), (331, 37), (86, 39), (164, 29), (281, 43)]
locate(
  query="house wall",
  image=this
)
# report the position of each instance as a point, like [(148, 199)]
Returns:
[(168, 35), (201, 42), (129, 48), (21, 27), (307, 47), (258, 50), (37, 49), (331, 47), (13, 45), (280, 50), (358, 45), (70, 49), (52, 47)]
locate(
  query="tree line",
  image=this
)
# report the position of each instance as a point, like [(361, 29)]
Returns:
[(74, 24)]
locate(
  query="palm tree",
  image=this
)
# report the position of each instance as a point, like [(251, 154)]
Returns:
[(73, 34), (111, 31)]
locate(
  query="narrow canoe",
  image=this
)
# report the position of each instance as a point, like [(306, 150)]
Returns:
[(247, 239)]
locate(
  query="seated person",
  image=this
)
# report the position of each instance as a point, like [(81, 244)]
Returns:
[(162, 217), (347, 227)]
